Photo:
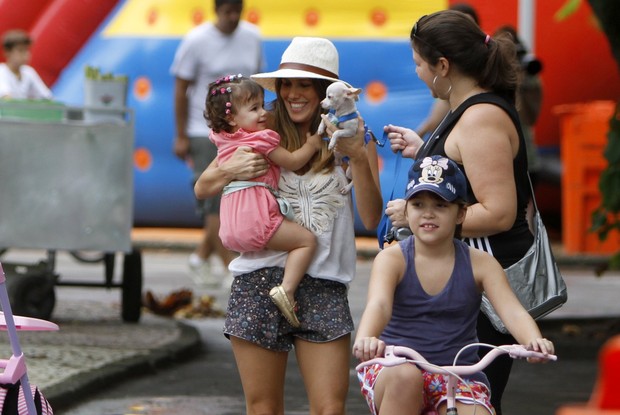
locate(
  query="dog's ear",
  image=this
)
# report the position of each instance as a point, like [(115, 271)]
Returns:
[(354, 93)]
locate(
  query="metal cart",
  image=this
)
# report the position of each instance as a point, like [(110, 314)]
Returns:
[(66, 183)]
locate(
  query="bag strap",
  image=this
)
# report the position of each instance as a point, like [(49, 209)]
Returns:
[(529, 179)]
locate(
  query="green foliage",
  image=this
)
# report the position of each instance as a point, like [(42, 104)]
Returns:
[(94, 73), (610, 178), (607, 217), (570, 7), (608, 14)]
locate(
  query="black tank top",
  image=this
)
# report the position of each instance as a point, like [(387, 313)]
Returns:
[(507, 247)]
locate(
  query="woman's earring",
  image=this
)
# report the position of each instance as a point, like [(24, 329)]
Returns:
[(447, 94)]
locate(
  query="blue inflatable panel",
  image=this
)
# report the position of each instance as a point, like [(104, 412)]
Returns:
[(163, 191)]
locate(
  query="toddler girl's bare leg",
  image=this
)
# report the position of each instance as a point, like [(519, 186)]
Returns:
[(300, 245)]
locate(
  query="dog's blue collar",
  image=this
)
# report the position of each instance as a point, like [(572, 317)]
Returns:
[(343, 118), (367, 133)]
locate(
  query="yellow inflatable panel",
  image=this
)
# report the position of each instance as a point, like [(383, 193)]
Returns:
[(359, 19)]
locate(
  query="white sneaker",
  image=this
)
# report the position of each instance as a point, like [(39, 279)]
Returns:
[(200, 272), (217, 265)]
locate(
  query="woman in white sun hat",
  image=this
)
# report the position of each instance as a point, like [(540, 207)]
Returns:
[(261, 338)]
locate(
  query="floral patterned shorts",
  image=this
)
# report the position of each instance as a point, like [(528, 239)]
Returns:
[(323, 311), (434, 390)]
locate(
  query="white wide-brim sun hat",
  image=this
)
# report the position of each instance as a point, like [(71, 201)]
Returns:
[(305, 57)]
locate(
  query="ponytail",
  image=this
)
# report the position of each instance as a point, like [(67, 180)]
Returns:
[(492, 62), (501, 73)]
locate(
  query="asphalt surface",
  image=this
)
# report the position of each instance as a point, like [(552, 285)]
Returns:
[(95, 349)]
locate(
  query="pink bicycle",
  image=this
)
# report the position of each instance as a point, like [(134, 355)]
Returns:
[(398, 355)]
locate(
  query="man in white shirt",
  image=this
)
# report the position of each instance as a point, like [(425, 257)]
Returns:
[(208, 52), (17, 79)]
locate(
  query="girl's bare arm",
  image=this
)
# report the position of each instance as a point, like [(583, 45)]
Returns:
[(297, 159)]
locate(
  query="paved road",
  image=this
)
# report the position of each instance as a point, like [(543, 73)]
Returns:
[(209, 384)]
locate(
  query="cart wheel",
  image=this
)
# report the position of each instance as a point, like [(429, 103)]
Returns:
[(132, 287), (32, 296), (90, 257)]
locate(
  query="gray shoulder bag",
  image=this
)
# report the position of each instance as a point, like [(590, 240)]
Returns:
[(535, 279)]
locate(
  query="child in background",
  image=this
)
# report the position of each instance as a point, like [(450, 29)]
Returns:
[(425, 293), (251, 218), (17, 79)]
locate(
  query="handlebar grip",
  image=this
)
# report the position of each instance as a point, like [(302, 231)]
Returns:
[(518, 351)]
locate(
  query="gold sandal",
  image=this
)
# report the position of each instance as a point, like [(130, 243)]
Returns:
[(280, 299)]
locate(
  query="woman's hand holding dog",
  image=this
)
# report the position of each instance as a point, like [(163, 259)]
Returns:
[(351, 147)]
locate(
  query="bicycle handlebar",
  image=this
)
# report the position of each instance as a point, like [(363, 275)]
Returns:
[(397, 355)]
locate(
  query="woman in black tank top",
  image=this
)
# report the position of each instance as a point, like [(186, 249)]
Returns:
[(478, 77)]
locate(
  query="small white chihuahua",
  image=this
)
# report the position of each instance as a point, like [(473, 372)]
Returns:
[(340, 100)]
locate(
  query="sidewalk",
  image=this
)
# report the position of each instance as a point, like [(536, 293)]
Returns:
[(94, 347), (97, 349), (367, 247)]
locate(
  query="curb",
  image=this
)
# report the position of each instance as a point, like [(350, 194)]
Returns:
[(89, 382)]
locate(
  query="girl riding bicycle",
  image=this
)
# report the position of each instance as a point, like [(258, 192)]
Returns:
[(425, 293)]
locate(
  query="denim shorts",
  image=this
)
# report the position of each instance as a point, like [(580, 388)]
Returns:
[(323, 311)]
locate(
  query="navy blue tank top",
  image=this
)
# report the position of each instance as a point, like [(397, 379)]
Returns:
[(436, 326)]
